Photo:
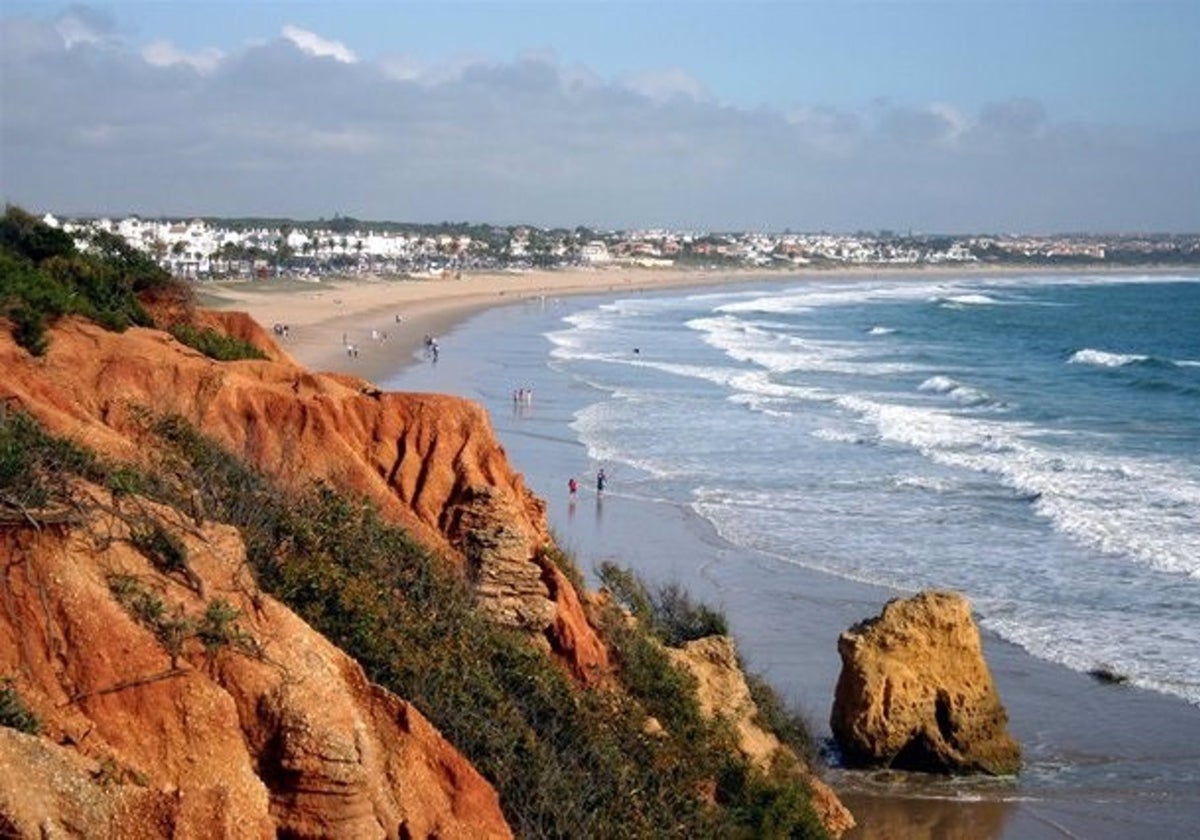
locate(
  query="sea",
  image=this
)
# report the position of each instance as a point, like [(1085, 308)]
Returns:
[(1032, 441)]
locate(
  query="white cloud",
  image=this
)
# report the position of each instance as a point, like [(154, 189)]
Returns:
[(166, 54), (314, 44), (402, 68), (81, 25), (664, 85), (953, 121), (275, 130)]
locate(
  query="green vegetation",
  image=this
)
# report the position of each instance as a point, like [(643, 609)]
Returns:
[(43, 277), (672, 617), (566, 761), (216, 629), (215, 345), (172, 629), (34, 467), (789, 725), (14, 713), (564, 563), (669, 614)]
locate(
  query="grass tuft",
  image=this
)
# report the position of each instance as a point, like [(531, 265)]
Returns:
[(14, 713)]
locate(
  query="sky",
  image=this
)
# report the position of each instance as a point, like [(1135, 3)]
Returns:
[(954, 116)]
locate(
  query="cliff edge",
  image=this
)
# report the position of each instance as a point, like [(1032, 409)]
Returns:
[(430, 463)]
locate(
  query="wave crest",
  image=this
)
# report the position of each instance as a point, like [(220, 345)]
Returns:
[(1102, 358)]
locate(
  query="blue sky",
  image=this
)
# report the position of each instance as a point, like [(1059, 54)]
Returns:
[(950, 116)]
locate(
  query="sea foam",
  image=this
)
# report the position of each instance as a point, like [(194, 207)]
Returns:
[(954, 389), (1102, 358)]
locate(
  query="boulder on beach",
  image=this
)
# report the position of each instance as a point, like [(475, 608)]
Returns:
[(915, 692)]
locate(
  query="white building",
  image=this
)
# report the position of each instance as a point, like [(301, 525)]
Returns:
[(595, 253)]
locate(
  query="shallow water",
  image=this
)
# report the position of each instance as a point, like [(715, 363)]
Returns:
[(798, 455)]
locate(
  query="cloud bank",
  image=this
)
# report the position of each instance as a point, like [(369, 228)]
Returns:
[(301, 126)]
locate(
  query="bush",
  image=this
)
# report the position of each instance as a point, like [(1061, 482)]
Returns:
[(162, 548), (43, 277), (670, 613), (789, 725), (14, 713), (565, 563), (34, 467), (215, 345), (219, 629)]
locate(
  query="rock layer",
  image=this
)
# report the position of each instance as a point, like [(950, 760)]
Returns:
[(915, 692)]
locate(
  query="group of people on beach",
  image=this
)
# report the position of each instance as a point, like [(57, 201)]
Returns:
[(573, 485), (523, 396)]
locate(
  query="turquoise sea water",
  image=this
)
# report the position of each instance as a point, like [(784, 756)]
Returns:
[(1032, 442)]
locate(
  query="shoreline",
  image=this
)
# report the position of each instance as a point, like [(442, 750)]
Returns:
[(1065, 720), (1103, 761), (323, 316)]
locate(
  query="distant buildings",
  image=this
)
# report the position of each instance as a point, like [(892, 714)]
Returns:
[(202, 249)]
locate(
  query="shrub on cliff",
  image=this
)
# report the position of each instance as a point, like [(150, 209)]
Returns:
[(669, 613), (215, 345), (674, 618), (14, 713), (34, 467), (43, 276)]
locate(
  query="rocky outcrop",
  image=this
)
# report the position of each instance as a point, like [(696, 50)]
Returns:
[(915, 692), (509, 587), (723, 692), (194, 705), (430, 462)]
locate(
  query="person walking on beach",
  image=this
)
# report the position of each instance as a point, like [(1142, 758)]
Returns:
[(572, 486), (600, 479)]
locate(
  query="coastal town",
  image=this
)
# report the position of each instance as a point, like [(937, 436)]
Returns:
[(204, 249)]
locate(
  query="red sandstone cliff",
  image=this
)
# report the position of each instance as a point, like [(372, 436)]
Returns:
[(272, 731), (430, 462), (297, 741)]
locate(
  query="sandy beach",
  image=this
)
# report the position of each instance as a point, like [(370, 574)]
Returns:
[(387, 318)]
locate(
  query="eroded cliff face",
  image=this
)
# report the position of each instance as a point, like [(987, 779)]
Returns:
[(190, 704), (296, 741), (430, 462)]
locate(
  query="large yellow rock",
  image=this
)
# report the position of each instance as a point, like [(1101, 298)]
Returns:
[(915, 692)]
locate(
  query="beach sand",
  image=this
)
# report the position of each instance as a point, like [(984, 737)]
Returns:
[(387, 319), (786, 617)]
